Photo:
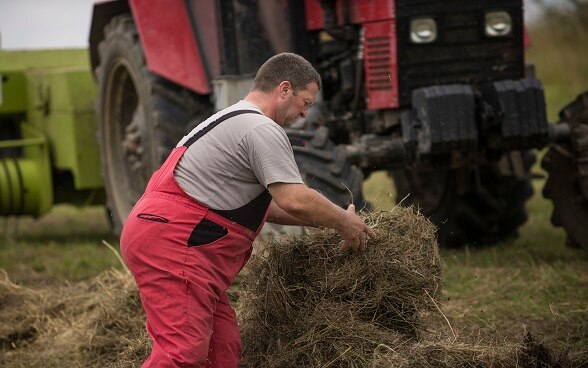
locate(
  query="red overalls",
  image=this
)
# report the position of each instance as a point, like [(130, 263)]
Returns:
[(183, 257)]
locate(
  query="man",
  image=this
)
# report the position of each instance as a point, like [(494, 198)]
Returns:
[(192, 230)]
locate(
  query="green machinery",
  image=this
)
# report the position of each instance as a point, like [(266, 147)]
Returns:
[(48, 147), (50, 151)]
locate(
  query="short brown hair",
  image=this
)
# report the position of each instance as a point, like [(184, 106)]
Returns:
[(285, 67)]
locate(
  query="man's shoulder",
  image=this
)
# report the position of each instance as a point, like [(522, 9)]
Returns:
[(252, 114), (242, 105)]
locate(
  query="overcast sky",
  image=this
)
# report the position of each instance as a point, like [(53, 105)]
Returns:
[(34, 24)]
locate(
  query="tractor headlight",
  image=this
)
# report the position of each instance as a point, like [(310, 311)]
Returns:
[(498, 24), (423, 30)]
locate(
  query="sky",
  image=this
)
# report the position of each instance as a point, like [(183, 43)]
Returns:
[(41, 24), (34, 24)]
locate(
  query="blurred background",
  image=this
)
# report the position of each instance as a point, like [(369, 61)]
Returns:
[(557, 29)]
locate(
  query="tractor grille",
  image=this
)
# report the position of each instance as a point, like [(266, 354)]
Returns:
[(379, 55), (461, 53), (379, 50)]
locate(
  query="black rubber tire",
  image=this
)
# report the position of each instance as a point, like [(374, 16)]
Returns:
[(142, 117), (567, 183), (489, 210), (324, 167)]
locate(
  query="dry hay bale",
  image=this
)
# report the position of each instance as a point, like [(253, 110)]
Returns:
[(309, 304), (91, 323)]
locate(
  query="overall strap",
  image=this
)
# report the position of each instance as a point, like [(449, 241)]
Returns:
[(252, 214), (199, 134)]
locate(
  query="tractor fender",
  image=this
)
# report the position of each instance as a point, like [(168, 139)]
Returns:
[(166, 35)]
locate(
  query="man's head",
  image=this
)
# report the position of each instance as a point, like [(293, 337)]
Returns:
[(285, 67), (293, 83)]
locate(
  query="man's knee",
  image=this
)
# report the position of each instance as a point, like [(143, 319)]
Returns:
[(225, 344), (178, 356), (225, 353)]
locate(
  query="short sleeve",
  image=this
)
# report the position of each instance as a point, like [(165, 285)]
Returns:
[(270, 155)]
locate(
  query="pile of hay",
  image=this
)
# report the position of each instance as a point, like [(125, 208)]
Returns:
[(95, 323), (309, 304)]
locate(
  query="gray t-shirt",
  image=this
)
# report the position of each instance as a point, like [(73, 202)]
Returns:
[(235, 161)]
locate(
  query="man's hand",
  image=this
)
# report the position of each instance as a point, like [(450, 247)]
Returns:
[(357, 233)]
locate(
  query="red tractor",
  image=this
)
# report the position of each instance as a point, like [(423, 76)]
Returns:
[(435, 92)]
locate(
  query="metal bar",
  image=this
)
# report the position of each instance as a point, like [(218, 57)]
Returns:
[(22, 142)]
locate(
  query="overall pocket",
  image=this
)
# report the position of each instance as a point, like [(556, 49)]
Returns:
[(206, 232)]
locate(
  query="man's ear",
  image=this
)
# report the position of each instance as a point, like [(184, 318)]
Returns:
[(284, 87)]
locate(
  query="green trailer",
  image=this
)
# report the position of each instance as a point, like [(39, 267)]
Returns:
[(49, 151)]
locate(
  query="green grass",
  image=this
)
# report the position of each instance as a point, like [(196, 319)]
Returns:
[(561, 60), (63, 245), (16, 60)]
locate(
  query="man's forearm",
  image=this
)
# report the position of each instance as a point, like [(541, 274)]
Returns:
[(318, 211), (278, 216), (314, 209), (309, 206)]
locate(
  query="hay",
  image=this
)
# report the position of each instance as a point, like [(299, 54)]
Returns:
[(94, 323), (16, 326), (309, 304), (445, 353), (302, 303)]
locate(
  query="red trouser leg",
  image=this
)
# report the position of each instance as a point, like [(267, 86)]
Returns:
[(225, 345), (189, 318), (180, 324), (209, 339)]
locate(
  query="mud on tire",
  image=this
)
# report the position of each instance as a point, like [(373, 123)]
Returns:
[(478, 207), (142, 117)]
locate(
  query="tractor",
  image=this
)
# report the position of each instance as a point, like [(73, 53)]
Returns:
[(436, 93)]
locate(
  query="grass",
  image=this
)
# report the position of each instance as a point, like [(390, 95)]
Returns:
[(560, 59), (65, 245), (14, 60)]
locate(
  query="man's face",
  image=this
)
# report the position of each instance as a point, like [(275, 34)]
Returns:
[(296, 104)]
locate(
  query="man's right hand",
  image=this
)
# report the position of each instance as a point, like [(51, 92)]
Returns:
[(356, 234)]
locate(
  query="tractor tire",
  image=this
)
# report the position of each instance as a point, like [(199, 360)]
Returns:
[(324, 167), (142, 117), (567, 183), (479, 208)]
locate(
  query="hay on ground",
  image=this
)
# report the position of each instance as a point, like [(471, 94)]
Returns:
[(95, 323)]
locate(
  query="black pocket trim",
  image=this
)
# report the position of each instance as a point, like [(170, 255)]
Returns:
[(152, 217), (206, 232)]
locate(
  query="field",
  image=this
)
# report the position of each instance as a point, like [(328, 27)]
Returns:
[(43, 58), (532, 284)]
